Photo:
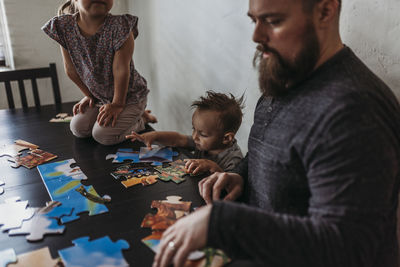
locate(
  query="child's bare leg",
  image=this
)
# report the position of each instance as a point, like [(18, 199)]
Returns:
[(148, 118)]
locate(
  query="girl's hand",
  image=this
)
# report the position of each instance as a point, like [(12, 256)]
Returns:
[(80, 107), (146, 138), (109, 113), (197, 166)]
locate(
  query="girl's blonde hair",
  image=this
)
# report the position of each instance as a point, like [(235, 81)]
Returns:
[(67, 8)]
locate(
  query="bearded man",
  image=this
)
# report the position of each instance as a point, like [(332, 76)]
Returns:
[(321, 177)]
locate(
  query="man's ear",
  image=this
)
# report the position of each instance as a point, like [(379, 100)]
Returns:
[(228, 138), (326, 11)]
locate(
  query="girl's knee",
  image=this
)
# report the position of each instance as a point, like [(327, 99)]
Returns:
[(79, 128), (106, 135)]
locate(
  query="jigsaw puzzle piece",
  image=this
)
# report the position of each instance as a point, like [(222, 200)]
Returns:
[(98, 252), (7, 256), (61, 170), (62, 183), (80, 204), (34, 158), (40, 224), (13, 213), (15, 149), (124, 154), (156, 154), (146, 180), (37, 258)]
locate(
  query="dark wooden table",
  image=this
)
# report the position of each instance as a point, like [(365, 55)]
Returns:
[(127, 208)]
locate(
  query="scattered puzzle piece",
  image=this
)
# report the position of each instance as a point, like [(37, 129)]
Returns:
[(98, 252), (62, 181), (34, 158), (146, 180), (41, 223), (37, 258), (61, 117), (12, 213), (16, 148), (124, 154), (7, 256), (168, 212)]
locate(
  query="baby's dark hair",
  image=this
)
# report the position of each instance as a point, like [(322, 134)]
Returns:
[(67, 8), (229, 108)]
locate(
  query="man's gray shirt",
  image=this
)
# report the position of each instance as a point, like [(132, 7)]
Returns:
[(321, 174)]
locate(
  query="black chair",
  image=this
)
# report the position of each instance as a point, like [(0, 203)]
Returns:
[(25, 74)]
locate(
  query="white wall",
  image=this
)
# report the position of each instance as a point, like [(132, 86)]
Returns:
[(186, 47), (32, 48)]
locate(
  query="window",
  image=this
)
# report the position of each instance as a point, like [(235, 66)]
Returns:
[(6, 59)]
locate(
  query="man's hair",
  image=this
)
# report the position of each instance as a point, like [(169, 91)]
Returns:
[(309, 4), (228, 107)]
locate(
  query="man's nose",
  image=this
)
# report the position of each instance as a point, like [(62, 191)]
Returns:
[(259, 34)]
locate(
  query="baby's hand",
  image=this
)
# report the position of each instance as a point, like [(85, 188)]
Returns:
[(146, 138), (197, 166), (109, 113)]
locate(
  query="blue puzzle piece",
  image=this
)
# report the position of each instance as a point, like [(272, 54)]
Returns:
[(157, 155), (98, 252), (61, 185), (7, 256)]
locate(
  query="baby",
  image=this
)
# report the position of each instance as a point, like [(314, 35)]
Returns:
[(215, 121)]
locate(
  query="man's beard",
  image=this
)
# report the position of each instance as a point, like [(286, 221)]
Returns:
[(276, 75)]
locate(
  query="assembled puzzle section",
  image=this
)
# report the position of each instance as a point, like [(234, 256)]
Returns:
[(131, 174), (175, 172), (155, 156), (44, 221), (63, 183), (97, 253), (15, 149)]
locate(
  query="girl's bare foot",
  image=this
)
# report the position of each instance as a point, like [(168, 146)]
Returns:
[(148, 118)]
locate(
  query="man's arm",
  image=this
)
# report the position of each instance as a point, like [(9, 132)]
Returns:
[(352, 169)]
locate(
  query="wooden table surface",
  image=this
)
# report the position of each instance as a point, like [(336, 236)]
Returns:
[(127, 208)]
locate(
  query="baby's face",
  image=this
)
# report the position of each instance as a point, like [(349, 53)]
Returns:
[(207, 133)]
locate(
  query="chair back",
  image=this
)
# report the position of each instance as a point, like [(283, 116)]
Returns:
[(30, 74)]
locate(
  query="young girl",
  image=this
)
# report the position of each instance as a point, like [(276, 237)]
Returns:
[(97, 49)]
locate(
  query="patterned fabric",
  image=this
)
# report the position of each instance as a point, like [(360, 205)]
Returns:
[(93, 56)]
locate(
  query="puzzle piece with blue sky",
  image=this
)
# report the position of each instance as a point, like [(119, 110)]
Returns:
[(99, 252), (41, 223), (62, 181)]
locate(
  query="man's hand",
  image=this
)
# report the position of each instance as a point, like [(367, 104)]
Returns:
[(186, 235), (109, 113), (197, 166), (80, 107), (146, 138), (211, 187)]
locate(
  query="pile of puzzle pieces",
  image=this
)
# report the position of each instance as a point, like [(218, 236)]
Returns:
[(34, 157), (168, 212)]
